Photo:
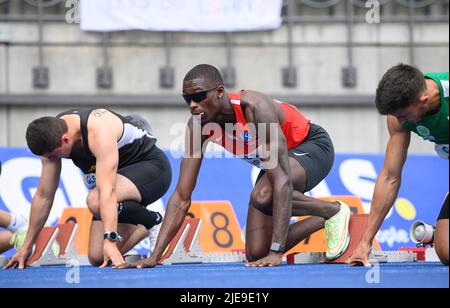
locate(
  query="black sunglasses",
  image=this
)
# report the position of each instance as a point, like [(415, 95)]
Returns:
[(197, 97)]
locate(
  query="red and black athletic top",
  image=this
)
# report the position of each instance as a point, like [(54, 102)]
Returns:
[(243, 141)]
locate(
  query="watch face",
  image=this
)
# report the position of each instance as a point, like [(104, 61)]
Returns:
[(113, 236), (277, 247)]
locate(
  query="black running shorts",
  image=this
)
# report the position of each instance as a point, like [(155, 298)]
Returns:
[(151, 176), (315, 154)]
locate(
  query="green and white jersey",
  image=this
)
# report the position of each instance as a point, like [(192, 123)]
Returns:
[(434, 127)]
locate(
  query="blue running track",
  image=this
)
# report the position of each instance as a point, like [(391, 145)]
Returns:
[(416, 275)]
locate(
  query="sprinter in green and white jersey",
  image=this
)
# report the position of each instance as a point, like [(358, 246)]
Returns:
[(418, 103)]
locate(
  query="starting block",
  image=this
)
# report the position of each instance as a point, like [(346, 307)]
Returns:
[(133, 258), (42, 250), (306, 258), (392, 257), (62, 236), (185, 248), (431, 255), (66, 240), (82, 217), (418, 251), (357, 226), (225, 257), (316, 242), (423, 254), (375, 257)]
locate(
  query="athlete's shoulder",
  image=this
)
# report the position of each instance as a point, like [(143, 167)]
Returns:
[(437, 75), (68, 112), (255, 99), (104, 121)]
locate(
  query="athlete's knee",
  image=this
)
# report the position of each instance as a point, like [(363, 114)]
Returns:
[(441, 243), (255, 252), (96, 260), (93, 202), (442, 252), (262, 199)]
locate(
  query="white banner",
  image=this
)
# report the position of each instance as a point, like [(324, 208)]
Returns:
[(181, 15)]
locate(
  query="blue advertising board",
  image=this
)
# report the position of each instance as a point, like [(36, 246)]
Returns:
[(424, 185)]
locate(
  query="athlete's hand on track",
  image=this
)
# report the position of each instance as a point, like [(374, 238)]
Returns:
[(273, 259), (111, 253), (147, 263), (360, 256), (20, 259)]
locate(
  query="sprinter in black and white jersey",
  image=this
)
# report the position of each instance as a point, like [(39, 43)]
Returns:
[(122, 165)]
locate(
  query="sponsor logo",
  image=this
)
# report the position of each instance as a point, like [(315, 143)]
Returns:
[(248, 136), (392, 236), (300, 154), (425, 133)]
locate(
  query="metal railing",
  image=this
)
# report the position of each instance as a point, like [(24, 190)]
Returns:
[(299, 11), (347, 12)]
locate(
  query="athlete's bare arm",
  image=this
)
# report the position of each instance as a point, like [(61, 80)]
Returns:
[(41, 206), (386, 188), (262, 111), (180, 201), (104, 130)]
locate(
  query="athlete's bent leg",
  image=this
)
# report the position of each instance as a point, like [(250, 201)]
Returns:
[(441, 240), (5, 241), (131, 234)]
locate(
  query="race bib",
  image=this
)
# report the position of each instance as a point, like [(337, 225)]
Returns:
[(90, 180), (442, 150), (253, 159)]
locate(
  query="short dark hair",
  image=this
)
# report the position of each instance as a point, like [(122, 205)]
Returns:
[(206, 71), (44, 135), (399, 88)]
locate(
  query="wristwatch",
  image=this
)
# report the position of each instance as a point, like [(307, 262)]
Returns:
[(112, 237), (275, 247)]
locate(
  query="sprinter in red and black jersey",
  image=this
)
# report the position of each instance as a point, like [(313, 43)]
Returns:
[(293, 158)]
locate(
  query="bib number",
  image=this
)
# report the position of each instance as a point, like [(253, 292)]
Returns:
[(442, 150), (90, 180)]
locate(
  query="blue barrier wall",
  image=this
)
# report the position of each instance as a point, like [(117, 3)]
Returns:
[(425, 183)]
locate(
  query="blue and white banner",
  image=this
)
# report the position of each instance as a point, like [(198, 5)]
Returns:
[(181, 15), (424, 185)]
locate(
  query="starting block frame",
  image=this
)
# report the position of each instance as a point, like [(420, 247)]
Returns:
[(225, 257), (306, 258), (42, 252), (185, 248), (392, 257), (357, 225), (64, 236), (375, 257)]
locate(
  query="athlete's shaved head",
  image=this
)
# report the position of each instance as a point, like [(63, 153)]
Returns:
[(206, 72)]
